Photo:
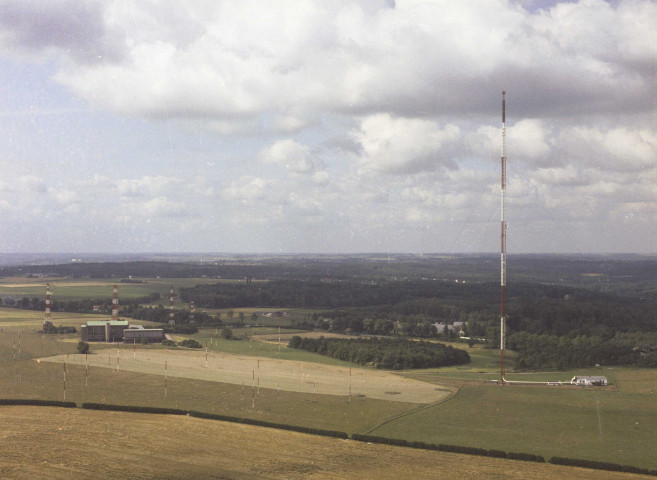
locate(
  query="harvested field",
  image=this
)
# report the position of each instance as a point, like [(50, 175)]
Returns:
[(58, 443), (286, 375)]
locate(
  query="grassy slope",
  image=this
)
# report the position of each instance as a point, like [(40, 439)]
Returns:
[(37, 443), (609, 425)]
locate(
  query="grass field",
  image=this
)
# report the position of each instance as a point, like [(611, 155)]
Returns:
[(38, 442), (610, 425)]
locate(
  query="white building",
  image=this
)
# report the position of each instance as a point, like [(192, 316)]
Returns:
[(587, 381)]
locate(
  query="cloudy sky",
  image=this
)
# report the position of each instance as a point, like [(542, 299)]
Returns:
[(320, 126)]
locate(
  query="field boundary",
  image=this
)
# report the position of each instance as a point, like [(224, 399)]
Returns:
[(415, 410)]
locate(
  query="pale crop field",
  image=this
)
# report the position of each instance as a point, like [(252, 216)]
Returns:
[(269, 373)]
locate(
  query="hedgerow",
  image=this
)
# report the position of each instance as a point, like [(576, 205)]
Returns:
[(262, 423), (448, 448), (134, 409), (614, 467)]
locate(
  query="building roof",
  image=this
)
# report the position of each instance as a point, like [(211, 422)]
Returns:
[(130, 330), (102, 323)]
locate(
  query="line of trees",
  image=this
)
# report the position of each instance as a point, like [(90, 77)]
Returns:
[(84, 305), (391, 354)]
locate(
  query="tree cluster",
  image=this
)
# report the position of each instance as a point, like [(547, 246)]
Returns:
[(391, 354), (540, 351)]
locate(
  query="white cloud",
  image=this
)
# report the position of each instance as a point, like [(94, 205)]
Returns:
[(30, 183), (145, 186), (403, 145), (161, 207), (529, 141), (294, 59), (616, 149), (246, 189), (290, 154), (65, 197)]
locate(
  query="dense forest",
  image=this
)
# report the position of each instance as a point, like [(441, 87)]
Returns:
[(534, 308), (395, 354)]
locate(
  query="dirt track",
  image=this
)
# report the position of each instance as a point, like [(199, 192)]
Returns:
[(269, 373), (58, 443)]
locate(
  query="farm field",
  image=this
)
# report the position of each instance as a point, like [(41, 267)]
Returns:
[(37, 443), (274, 374)]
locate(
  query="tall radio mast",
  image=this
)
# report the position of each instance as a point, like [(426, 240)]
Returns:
[(502, 246)]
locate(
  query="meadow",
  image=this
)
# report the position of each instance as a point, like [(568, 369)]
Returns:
[(614, 424)]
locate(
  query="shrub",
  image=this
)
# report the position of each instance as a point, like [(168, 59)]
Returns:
[(528, 457), (169, 343), (190, 343), (49, 328), (83, 347), (226, 333), (496, 453)]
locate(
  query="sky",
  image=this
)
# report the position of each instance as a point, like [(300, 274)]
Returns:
[(307, 126)]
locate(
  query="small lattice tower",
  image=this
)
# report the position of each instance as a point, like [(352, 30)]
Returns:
[(48, 317), (192, 308), (172, 321), (115, 303)]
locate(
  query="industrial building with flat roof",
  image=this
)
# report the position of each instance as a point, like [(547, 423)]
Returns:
[(139, 334), (119, 331), (103, 331)]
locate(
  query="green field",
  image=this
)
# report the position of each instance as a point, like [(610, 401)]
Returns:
[(247, 346), (595, 424)]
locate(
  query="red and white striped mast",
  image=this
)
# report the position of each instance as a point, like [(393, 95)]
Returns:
[(502, 245), (48, 317), (172, 321), (192, 309), (115, 303)]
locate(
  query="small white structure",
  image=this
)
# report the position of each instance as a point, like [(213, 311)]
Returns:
[(587, 381)]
